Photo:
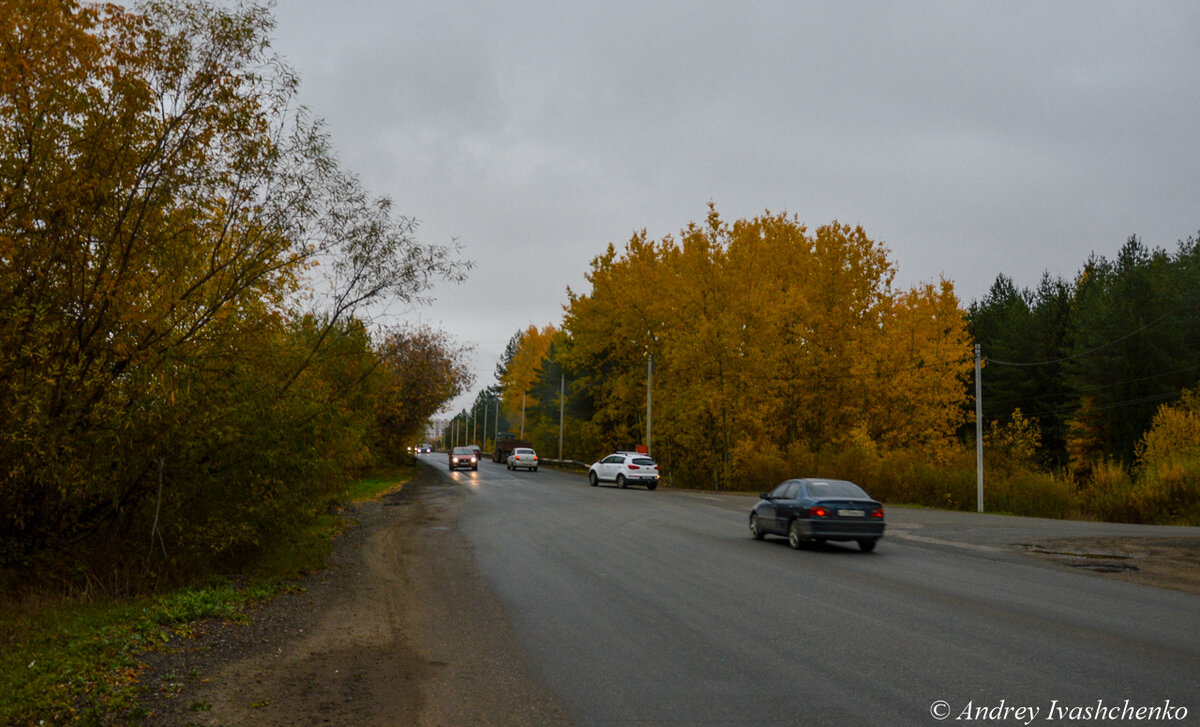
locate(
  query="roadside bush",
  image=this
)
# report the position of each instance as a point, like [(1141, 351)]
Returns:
[(1166, 488), (1168, 492), (1109, 493), (1174, 433), (1030, 493), (760, 466)]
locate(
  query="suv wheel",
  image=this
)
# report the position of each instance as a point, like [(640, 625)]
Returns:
[(621, 481), (593, 480)]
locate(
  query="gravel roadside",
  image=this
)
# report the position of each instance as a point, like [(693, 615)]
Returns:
[(399, 630)]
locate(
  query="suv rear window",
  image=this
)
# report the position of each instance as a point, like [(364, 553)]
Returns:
[(644, 461)]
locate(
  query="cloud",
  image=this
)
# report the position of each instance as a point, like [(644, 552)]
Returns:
[(973, 139)]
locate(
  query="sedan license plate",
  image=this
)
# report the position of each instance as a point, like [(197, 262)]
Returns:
[(851, 513)]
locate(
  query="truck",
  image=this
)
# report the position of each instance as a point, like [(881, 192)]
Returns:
[(505, 444)]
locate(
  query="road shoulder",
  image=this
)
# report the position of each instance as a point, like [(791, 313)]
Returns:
[(400, 629)]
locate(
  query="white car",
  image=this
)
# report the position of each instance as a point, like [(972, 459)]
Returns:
[(625, 469), (523, 458)]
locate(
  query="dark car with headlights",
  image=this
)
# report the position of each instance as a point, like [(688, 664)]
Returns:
[(463, 457), (815, 510)]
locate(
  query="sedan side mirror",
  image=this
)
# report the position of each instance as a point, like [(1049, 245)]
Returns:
[(764, 495)]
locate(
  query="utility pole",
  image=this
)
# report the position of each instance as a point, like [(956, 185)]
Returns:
[(562, 387), (522, 415), (649, 380), (978, 433)]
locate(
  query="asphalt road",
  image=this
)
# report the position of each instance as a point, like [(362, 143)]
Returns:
[(657, 608)]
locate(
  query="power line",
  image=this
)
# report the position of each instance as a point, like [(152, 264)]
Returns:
[(1104, 407), (1101, 347), (1090, 389)]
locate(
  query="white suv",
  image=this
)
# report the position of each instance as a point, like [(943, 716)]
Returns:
[(625, 469)]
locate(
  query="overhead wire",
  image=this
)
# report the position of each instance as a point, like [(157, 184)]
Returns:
[(1090, 389), (1110, 405), (1144, 327)]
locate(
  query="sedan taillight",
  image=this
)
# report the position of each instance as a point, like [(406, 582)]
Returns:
[(878, 512), (818, 512)]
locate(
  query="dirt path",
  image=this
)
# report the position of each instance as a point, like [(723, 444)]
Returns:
[(400, 630)]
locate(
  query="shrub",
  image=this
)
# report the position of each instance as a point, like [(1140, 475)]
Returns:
[(1168, 492), (1108, 495), (1174, 432), (1030, 493)]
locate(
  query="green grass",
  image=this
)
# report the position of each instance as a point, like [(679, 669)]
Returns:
[(368, 488), (76, 662)]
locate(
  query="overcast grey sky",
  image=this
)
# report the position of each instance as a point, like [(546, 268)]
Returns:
[(970, 138)]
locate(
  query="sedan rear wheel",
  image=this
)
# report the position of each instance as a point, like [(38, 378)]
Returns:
[(756, 529), (593, 480), (794, 538)]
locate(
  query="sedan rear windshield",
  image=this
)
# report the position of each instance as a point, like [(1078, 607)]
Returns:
[(522, 451), (835, 488), (644, 461)]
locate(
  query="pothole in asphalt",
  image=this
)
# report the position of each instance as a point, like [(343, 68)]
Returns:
[(1106, 567), (1097, 562), (1167, 562), (1042, 550)]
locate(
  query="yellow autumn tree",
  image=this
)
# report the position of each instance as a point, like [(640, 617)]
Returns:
[(700, 365), (1174, 433), (166, 354), (766, 336), (921, 360), (613, 330), (521, 370)]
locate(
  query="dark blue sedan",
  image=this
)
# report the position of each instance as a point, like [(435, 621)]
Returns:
[(814, 510)]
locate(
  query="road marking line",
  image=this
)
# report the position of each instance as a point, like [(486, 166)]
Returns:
[(951, 543)]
